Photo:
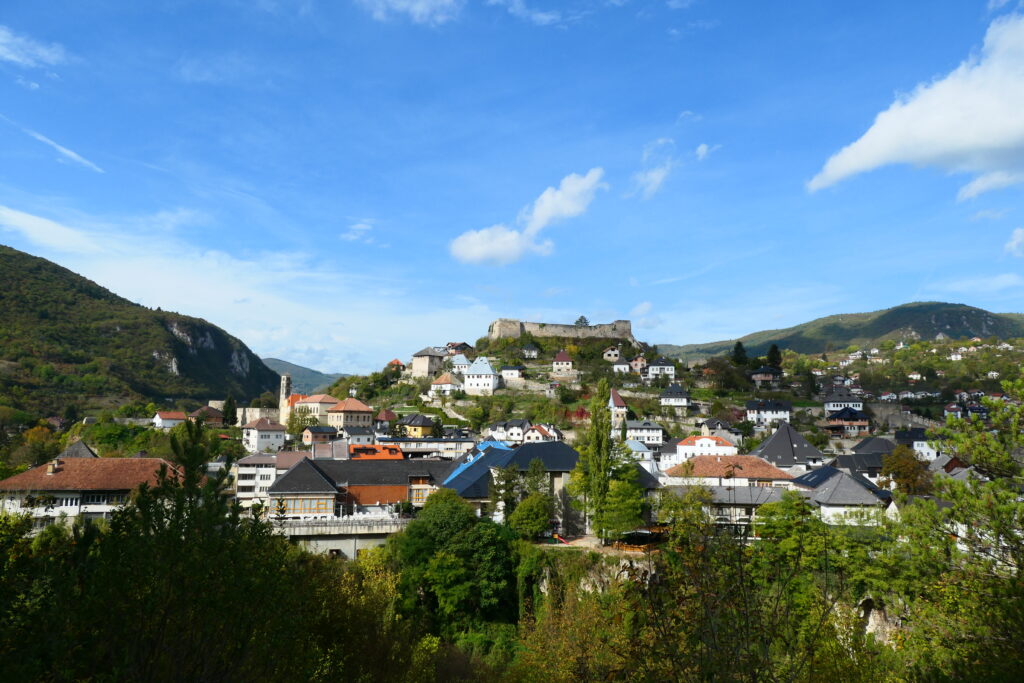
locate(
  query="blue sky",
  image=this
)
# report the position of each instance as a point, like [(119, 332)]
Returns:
[(342, 182)]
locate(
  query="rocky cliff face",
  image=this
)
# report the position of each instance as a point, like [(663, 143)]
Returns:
[(64, 338)]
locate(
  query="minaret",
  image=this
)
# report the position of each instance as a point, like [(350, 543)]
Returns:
[(282, 402)]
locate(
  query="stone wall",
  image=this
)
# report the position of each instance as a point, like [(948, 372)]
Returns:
[(507, 327)]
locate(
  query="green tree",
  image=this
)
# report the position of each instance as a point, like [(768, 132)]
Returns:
[(532, 516), (739, 355), (774, 357), (907, 471), (230, 410), (582, 321), (623, 508), (298, 420), (537, 479), (505, 489)]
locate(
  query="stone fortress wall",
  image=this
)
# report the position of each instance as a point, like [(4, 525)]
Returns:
[(508, 327)]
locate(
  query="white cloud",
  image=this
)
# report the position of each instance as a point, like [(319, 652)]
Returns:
[(968, 121), (27, 84), (687, 115), (994, 5), (321, 310), (1016, 244), (46, 233), (658, 163), (496, 244), (704, 150), (25, 52), (433, 12), (518, 9), (989, 214), (502, 245), (358, 232), (984, 285), (64, 151)]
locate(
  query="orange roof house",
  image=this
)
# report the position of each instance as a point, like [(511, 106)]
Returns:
[(379, 452), (748, 467)]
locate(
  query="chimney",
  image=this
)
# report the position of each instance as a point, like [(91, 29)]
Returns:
[(53, 466)]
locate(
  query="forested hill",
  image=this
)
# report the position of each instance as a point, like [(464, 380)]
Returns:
[(304, 380), (63, 338), (919, 320)]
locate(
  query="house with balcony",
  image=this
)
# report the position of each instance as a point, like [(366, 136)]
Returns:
[(263, 435)]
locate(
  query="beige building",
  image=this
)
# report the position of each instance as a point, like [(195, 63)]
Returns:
[(316, 405), (350, 413), (428, 362)]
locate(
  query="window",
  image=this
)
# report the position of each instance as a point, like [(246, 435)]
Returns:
[(247, 476), (68, 501), (245, 489), (266, 477), (94, 498)]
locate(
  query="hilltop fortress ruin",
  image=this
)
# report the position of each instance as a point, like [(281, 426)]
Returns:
[(503, 328)]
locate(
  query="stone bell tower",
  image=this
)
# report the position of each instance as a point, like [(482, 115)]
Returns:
[(282, 402)]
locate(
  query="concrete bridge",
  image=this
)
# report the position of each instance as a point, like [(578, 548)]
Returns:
[(341, 536)]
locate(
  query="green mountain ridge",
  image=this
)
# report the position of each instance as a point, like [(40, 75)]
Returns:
[(917, 320), (64, 338), (304, 380)]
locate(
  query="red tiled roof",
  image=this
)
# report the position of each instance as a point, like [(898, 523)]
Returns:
[(562, 357), (266, 424), (89, 474), (386, 415), (285, 459), (171, 415), (540, 429), (446, 378), (350, 405), (206, 411), (295, 398), (746, 466), (692, 441), (319, 398), (617, 400), (397, 362)]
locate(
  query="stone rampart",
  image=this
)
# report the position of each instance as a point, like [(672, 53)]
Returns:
[(507, 327)]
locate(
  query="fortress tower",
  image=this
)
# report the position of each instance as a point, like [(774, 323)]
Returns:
[(282, 401)]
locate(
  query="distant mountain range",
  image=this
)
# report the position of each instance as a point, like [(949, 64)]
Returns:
[(919, 320), (64, 339), (304, 380)]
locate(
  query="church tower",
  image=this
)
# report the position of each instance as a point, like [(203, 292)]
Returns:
[(282, 402)]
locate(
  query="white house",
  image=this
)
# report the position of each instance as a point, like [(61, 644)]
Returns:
[(661, 368), (539, 433), (611, 354), (562, 364), (480, 378), (842, 397), (675, 397), (993, 374), (513, 372), (253, 476), (530, 351), (769, 411), (511, 431), (263, 435), (165, 419), (460, 363), (726, 470), (645, 431), (622, 366), (90, 488), (445, 385)]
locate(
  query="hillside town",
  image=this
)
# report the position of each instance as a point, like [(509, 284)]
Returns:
[(340, 473)]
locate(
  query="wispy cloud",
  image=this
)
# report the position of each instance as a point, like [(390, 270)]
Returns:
[(704, 150), (658, 162), (359, 232), (432, 12), (27, 84), (503, 245), (967, 121), (986, 284), (519, 9), (26, 52), (66, 153), (687, 115), (989, 214), (1016, 244), (46, 233)]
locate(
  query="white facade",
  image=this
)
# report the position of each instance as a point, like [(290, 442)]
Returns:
[(697, 445), (480, 379), (253, 477), (166, 419), (259, 440), (646, 432), (767, 416)]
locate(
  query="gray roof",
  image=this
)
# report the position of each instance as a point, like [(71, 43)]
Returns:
[(874, 444), (305, 476), (326, 476), (843, 394), (858, 462), (830, 486), (358, 431), (475, 478), (320, 429), (430, 351), (416, 420), (786, 447), (769, 404), (643, 424), (78, 449), (481, 366), (675, 391), (645, 479)]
